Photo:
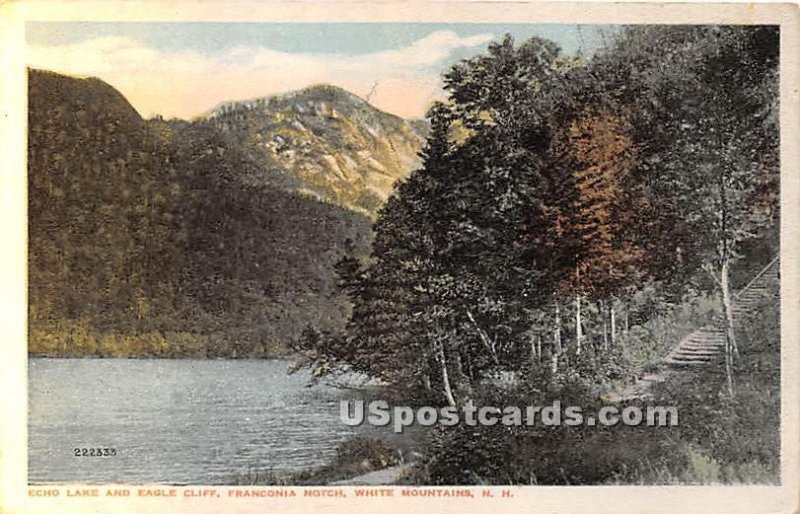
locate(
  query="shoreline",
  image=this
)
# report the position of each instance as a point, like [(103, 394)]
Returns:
[(280, 357)]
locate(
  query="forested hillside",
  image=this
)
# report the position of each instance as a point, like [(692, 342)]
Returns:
[(152, 238)]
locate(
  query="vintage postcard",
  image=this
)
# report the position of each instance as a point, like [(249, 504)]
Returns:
[(393, 257)]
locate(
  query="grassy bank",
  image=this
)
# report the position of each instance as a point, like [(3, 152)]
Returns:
[(354, 457), (723, 439)]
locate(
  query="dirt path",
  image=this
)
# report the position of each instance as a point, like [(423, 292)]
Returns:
[(385, 476)]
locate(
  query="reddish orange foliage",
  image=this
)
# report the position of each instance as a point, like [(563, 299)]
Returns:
[(598, 152)]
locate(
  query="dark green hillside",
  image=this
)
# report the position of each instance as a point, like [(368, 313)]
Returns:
[(152, 238), (103, 223)]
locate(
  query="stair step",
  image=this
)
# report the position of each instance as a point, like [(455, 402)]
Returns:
[(707, 333), (691, 355), (684, 360), (697, 351), (701, 349), (702, 346), (707, 340), (681, 351), (706, 346), (682, 363), (700, 353), (717, 339)]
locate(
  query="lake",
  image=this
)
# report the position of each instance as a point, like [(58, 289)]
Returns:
[(178, 421)]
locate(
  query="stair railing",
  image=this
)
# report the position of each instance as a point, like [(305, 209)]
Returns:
[(760, 273)]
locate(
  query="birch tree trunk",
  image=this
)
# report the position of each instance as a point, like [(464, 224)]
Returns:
[(730, 336), (613, 324), (484, 337), (578, 328), (627, 316), (448, 391), (539, 348), (605, 324), (727, 302), (557, 331)]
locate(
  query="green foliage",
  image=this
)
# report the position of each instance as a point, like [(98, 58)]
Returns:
[(719, 439), (554, 196), (354, 456), (533, 454), (437, 300), (608, 187), (141, 228), (365, 454), (549, 186)]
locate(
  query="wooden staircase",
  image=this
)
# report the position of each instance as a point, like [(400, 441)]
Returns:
[(706, 345)]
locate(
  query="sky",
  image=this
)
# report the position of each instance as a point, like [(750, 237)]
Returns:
[(185, 69)]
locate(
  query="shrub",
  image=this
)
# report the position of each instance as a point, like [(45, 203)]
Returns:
[(355, 456)]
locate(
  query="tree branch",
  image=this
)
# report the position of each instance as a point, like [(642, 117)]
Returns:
[(484, 338)]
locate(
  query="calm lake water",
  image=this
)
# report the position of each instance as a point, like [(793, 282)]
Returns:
[(177, 421)]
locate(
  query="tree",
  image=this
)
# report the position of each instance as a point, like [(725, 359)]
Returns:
[(597, 152), (546, 179), (458, 307), (728, 137), (706, 116)]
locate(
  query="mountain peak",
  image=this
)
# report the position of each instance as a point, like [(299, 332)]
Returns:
[(315, 97), (340, 147), (327, 92), (82, 92)]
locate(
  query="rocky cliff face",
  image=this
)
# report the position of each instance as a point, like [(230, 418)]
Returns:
[(331, 143)]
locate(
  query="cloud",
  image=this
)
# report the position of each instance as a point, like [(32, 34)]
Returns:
[(188, 83)]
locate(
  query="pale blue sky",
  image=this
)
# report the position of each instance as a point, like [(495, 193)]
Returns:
[(183, 69), (338, 38)]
